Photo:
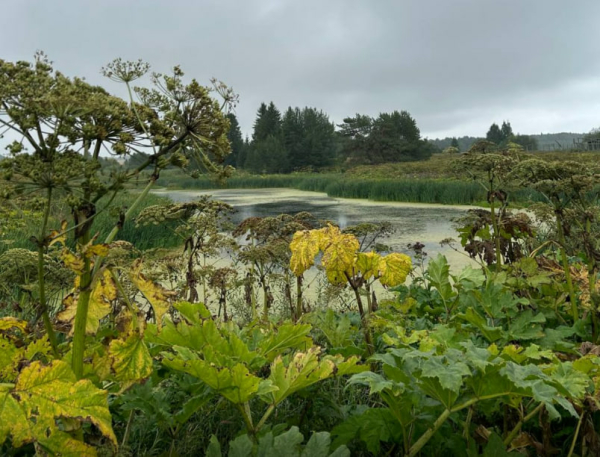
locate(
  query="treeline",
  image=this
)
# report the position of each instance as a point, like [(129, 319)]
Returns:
[(306, 139), (502, 133)]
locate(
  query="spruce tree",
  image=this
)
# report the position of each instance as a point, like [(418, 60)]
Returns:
[(236, 140)]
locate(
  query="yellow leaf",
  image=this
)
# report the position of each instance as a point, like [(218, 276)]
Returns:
[(11, 322), (394, 269), (368, 264), (72, 262), (92, 250), (104, 291), (56, 237), (130, 359), (340, 255), (304, 247), (157, 295), (42, 395)]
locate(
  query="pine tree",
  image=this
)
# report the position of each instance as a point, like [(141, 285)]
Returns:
[(454, 143), (507, 132), (494, 134), (235, 139)]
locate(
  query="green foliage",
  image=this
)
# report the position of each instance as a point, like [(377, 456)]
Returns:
[(392, 137)]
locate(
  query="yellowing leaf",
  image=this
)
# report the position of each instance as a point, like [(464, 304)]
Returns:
[(131, 360), (73, 262), (56, 237), (340, 255), (104, 291), (367, 263), (43, 394), (92, 250), (12, 322), (157, 295), (397, 267), (304, 247)]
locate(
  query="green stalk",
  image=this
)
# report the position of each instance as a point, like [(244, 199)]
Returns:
[(86, 281), (267, 414), (566, 268), (82, 312), (511, 436), (42, 280), (113, 233), (496, 232), (127, 428), (425, 437), (422, 441), (572, 449)]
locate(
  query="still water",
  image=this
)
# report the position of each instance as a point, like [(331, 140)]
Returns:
[(413, 222)]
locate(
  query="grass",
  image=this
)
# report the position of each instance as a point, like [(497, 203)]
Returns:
[(143, 237), (347, 185)]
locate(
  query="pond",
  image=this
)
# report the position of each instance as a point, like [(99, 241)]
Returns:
[(413, 222)]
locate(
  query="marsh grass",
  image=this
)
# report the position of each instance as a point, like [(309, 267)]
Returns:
[(143, 237), (411, 190)]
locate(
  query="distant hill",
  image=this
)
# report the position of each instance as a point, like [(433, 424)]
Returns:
[(546, 141), (557, 141)]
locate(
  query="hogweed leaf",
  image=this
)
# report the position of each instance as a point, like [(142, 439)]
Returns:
[(395, 268), (304, 247), (155, 294), (130, 359), (43, 394), (303, 370), (104, 291), (6, 323), (236, 384)]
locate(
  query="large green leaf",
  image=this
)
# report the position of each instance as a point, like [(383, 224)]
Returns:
[(372, 427), (449, 373), (438, 272), (490, 333), (235, 383), (303, 370)]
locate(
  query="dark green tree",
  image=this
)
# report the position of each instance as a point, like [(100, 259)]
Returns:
[(267, 156), (507, 131), (494, 134), (293, 137), (454, 143), (236, 140)]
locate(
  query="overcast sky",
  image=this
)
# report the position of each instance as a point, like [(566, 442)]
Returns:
[(455, 65)]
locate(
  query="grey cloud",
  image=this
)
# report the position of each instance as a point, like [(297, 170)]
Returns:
[(456, 65)]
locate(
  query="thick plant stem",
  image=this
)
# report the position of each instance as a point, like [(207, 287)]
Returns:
[(113, 233), (363, 319), (416, 448), (566, 268), (42, 280), (496, 232), (86, 289), (425, 437), (83, 303), (514, 432), (299, 310), (267, 414)]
